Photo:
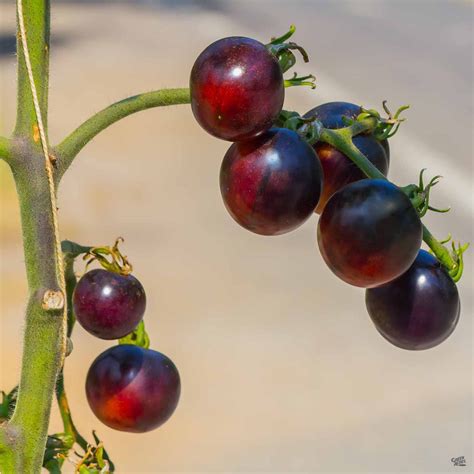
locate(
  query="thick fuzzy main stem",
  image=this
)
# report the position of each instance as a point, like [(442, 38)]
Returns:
[(24, 437), (42, 347)]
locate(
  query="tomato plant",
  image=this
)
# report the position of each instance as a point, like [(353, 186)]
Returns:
[(369, 233)]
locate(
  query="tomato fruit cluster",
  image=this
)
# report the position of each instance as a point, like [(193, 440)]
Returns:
[(272, 180), (129, 388)]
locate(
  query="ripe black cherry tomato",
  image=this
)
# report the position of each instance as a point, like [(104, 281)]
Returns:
[(108, 305), (132, 389), (271, 184), (369, 233), (237, 88), (417, 310), (338, 169)]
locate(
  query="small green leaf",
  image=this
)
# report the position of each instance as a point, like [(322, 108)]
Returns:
[(7, 405), (72, 249)]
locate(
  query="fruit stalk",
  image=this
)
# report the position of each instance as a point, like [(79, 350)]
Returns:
[(342, 140), (69, 427)]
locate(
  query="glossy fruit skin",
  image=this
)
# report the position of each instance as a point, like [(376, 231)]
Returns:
[(338, 169), (133, 389), (108, 305), (419, 309), (237, 88), (271, 184), (331, 113), (369, 233)]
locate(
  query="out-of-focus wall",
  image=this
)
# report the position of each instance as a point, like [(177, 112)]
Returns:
[(282, 370)]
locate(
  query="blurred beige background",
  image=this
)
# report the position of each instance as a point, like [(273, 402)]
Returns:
[(281, 368)]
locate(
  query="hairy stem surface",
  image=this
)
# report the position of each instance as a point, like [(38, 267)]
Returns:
[(37, 25), (42, 346), (79, 138), (5, 148)]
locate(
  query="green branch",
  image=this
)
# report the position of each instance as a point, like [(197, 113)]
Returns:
[(67, 150)]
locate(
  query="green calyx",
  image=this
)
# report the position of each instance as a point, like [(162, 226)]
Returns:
[(110, 258), (283, 50), (419, 195)]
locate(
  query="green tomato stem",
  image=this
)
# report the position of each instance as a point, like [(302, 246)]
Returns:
[(67, 150), (65, 411), (441, 252), (342, 140)]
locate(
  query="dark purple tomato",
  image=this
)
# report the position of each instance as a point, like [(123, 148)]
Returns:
[(339, 170), (369, 233), (271, 184), (237, 88), (132, 389), (108, 305), (419, 309), (331, 113)]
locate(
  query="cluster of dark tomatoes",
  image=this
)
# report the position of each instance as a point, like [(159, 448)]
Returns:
[(272, 181), (128, 387)]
